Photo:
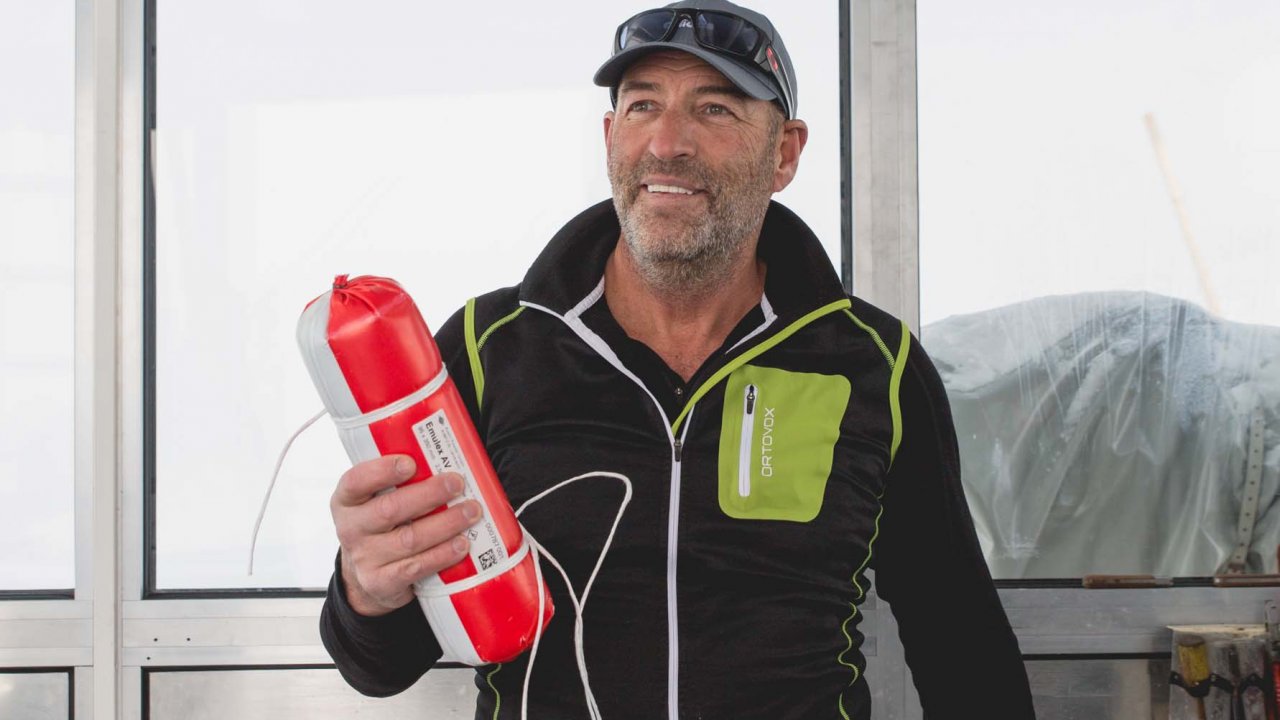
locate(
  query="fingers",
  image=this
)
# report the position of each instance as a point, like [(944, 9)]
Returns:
[(390, 510), (392, 539), (366, 479), (358, 491), (403, 573), (425, 533), (375, 591), (381, 568)]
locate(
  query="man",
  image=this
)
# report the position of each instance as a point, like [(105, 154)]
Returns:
[(780, 436)]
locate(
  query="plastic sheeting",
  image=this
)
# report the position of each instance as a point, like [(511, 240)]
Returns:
[(1108, 433)]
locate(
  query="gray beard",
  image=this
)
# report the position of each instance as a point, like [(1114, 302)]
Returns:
[(701, 267), (700, 258)]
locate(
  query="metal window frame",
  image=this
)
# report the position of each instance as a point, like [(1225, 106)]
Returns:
[(79, 634)]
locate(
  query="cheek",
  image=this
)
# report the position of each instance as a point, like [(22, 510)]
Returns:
[(628, 144)]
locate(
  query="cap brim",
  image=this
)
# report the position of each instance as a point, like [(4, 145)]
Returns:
[(610, 73)]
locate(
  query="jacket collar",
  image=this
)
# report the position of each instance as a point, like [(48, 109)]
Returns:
[(800, 277)]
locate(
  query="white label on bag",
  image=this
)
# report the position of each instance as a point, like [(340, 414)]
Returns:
[(440, 447)]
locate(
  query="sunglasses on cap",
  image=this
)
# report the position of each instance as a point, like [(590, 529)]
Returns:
[(720, 32)]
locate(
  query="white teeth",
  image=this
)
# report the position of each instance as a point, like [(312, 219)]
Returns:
[(669, 189)]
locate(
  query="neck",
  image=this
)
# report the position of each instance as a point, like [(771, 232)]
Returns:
[(683, 327)]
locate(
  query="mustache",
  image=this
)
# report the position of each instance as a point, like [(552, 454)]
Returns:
[(690, 170)]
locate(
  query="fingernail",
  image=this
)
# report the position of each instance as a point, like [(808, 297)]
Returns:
[(459, 545), (471, 511), (453, 484), (404, 467)]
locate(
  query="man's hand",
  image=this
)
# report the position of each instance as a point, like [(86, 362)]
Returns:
[(389, 541)]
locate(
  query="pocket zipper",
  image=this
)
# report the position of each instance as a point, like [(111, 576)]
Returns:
[(744, 449)]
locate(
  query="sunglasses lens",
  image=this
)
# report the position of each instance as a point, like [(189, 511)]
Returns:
[(648, 27), (727, 33)]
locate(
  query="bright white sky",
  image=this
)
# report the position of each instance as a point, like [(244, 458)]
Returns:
[(301, 139), (1037, 173), (37, 76)]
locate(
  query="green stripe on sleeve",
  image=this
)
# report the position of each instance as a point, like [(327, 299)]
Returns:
[(895, 384), (494, 327), (853, 609), (473, 349), (899, 365), (497, 696), (875, 337)]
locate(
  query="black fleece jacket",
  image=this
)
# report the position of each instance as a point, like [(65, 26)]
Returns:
[(817, 443)]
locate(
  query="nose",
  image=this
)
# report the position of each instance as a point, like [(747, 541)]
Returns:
[(673, 136)]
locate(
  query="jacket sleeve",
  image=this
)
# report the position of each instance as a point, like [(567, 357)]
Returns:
[(384, 655), (929, 567), (378, 656)]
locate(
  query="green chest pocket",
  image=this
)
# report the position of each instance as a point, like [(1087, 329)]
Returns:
[(778, 433)]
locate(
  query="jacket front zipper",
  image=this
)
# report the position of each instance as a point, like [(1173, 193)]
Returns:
[(744, 448), (673, 615), (594, 341)]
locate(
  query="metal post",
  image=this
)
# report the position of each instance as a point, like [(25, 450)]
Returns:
[(96, 307)]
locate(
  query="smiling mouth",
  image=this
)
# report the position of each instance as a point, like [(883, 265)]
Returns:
[(669, 189)]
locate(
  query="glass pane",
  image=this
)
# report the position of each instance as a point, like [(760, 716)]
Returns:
[(1099, 239), (299, 140), (441, 694), (35, 696), (37, 314)]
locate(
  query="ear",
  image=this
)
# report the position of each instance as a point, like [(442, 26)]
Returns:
[(791, 141), (608, 128)]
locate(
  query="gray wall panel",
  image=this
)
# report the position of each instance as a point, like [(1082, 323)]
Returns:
[(303, 694), (1100, 689)]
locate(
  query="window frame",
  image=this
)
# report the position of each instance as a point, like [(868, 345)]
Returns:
[(115, 627)]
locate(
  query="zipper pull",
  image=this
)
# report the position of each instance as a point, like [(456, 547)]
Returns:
[(751, 399), (679, 448)]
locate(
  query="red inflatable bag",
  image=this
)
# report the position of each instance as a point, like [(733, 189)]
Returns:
[(381, 377)]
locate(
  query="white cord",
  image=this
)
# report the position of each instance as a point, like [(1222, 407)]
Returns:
[(253, 542), (349, 423), (578, 605), (529, 545)]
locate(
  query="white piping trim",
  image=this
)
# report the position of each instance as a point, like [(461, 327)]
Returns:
[(749, 401), (587, 301), (769, 317), (673, 617), (598, 344)]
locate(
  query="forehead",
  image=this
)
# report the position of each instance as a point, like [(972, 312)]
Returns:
[(672, 66)]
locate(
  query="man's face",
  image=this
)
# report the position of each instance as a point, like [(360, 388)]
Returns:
[(693, 162)]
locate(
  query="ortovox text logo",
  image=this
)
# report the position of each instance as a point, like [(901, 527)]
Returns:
[(766, 444)]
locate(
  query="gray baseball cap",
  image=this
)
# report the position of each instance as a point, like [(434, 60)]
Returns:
[(742, 44)]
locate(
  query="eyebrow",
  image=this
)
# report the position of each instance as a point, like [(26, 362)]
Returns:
[(644, 86)]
